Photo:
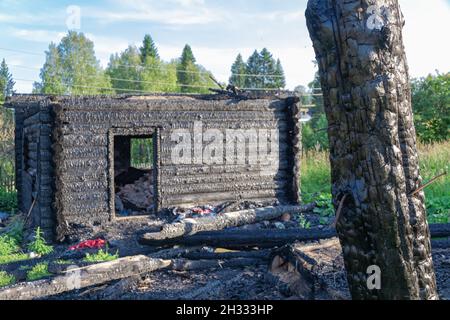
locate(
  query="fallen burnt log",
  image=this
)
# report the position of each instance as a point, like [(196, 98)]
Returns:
[(222, 221), (193, 265), (262, 238), (83, 277), (196, 253), (440, 230)]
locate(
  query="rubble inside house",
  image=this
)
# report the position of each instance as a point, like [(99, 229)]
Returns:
[(134, 192)]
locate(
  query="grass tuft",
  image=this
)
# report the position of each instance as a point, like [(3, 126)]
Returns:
[(39, 271), (101, 256), (6, 279)]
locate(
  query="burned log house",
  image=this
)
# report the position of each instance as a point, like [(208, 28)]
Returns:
[(88, 161)]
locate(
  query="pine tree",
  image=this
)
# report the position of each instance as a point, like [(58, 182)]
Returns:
[(187, 72), (72, 68), (237, 70), (280, 80), (267, 69), (148, 49), (253, 69), (6, 81)]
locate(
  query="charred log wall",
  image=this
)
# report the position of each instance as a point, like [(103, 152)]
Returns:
[(34, 165), (85, 128)]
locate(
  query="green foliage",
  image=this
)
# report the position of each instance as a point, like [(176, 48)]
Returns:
[(142, 153), (63, 261), (159, 76), (238, 70), (253, 79), (434, 160), (280, 79), (6, 279), (39, 245), (6, 81), (13, 258), (10, 250), (431, 105), (325, 206), (303, 222), (126, 66), (316, 181), (8, 201), (72, 68), (148, 49), (15, 228), (101, 256), (39, 271), (261, 71), (8, 245), (191, 77), (315, 133)]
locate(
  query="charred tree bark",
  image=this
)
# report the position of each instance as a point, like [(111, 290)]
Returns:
[(364, 76)]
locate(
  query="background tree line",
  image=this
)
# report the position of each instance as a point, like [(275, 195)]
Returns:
[(431, 107), (71, 67), (6, 132), (261, 71)]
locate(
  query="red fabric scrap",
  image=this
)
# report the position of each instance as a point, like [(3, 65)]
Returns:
[(201, 211), (89, 244)]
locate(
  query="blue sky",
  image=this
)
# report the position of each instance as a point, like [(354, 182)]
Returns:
[(217, 30)]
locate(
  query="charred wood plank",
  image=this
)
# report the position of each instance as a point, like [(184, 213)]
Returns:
[(263, 238), (192, 265), (83, 277), (232, 219)]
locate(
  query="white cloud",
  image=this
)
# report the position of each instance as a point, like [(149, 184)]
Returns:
[(192, 12), (426, 43), (36, 35)]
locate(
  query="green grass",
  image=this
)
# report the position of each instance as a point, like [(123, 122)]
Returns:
[(101, 256), (10, 250), (6, 279), (39, 271), (8, 245), (434, 159)]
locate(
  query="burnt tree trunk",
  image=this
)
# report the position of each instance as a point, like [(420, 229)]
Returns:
[(364, 76)]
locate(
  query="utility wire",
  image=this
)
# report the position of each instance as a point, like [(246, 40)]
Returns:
[(159, 68), (143, 66), (157, 83)]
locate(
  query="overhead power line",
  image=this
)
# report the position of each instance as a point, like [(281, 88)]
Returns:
[(154, 82), (144, 67)]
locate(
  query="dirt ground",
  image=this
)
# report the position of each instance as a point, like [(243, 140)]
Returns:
[(252, 283), (245, 283)]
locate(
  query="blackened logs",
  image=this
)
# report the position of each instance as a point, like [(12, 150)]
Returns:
[(197, 253), (83, 277), (440, 230), (262, 238), (374, 163), (222, 221), (236, 263)]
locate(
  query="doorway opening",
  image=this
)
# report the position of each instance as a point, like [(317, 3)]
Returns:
[(134, 175)]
